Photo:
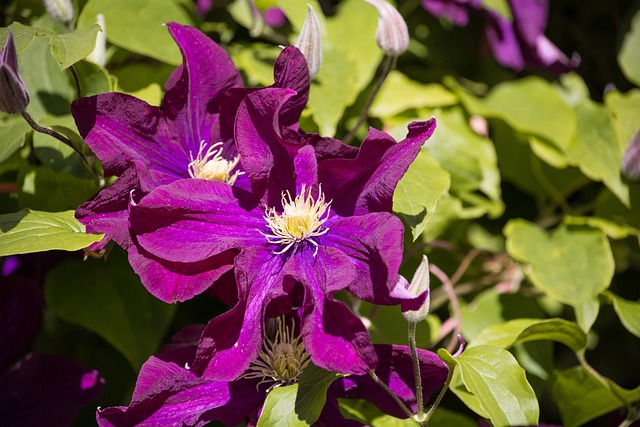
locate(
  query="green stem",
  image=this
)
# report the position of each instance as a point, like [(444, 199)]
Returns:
[(416, 368), (444, 389), (389, 64), (49, 132), (603, 380), (404, 408), (76, 80)]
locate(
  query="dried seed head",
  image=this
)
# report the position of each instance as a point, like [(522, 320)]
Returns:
[(392, 34), (310, 41), (14, 96), (59, 10), (99, 54), (419, 285)]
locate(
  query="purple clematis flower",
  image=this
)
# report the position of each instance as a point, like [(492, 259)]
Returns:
[(305, 231), (58, 386), (169, 393), (516, 44), (191, 136)]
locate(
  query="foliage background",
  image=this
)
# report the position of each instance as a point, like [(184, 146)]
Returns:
[(538, 201)]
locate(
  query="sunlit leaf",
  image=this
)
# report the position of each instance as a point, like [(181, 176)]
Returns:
[(33, 231), (628, 312), (629, 55)]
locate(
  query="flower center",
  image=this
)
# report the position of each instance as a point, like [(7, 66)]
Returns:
[(211, 165), (282, 360), (302, 217)]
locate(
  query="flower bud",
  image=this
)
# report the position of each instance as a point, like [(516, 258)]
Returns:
[(99, 54), (310, 41), (419, 285), (392, 34), (14, 96), (631, 159), (59, 10)]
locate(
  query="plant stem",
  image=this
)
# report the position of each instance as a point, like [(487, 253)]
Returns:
[(49, 132), (583, 361), (416, 368), (444, 389), (404, 408), (76, 80), (389, 64)]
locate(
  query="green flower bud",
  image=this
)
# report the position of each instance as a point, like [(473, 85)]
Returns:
[(392, 34), (310, 41), (419, 285), (59, 10)]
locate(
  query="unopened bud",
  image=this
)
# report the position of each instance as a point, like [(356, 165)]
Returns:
[(631, 159), (419, 285), (310, 41), (392, 34), (99, 54), (59, 10), (14, 96)]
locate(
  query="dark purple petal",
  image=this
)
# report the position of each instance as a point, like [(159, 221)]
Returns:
[(395, 369), (207, 71), (306, 168), (46, 390), (332, 417), (455, 11), (504, 43), (183, 346), (275, 17), (192, 220), (373, 244), (366, 184), (21, 305), (169, 395), (10, 265), (231, 341), (334, 337), (530, 18), (178, 281), (261, 145), (120, 128), (291, 71), (14, 96)]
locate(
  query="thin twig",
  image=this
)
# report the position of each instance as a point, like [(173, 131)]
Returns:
[(453, 299), (389, 64), (49, 132), (378, 381), (76, 80), (444, 389)]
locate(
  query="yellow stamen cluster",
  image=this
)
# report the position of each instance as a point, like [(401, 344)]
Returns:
[(302, 217), (212, 166), (282, 360)]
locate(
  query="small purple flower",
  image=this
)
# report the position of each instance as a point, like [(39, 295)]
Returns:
[(275, 17), (191, 136), (14, 96), (307, 230), (168, 392), (516, 44), (631, 159)]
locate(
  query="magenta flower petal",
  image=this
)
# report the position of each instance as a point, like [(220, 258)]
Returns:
[(373, 244), (170, 395), (231, 341), (207, 71), (192, 220), (366, 184), (58, 385)]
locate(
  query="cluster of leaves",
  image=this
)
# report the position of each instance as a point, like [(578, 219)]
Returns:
[(520, 186)]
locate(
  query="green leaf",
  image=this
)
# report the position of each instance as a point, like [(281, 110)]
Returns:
[(629, 55), (485, 310), (67, 49), (530, 105), (350, 59), (628, 312), (470, 159), (595, 149), (494, 377), (41, 188), (399, 93), (107, 298), (625, 111), (506, 335), (572, 266), (299, 404), (419, 191), (446, 418), (33, 231), (501, 7), (612, 229), (594, 398), (12, 131), (137, 25)]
